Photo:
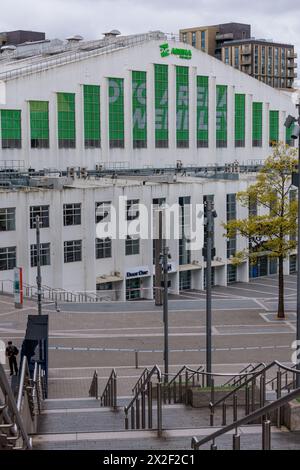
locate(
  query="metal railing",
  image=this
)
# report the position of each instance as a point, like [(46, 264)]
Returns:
[(251, 392), (109, 396), (141, 381), (288, 381), (176, 389), (18, 418), (262, 414), (141, 406), (250, 368)]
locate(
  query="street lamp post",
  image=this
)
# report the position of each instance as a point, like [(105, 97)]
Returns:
[(290, 120), (165, 257), (38, 265), (208, 290)]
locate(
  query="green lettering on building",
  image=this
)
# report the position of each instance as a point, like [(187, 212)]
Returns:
[(165, 51)]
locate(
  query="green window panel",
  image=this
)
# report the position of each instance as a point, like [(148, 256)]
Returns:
[(39, 124), (257, 124), (273, 128), (11, 129), (221, 116), (202, 111), (139, 109), (182, 107), (288, 135), (66, 120), (239, 120), (161, 106), (116, 112), (91, 100)]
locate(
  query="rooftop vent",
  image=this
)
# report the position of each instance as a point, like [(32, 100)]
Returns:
[(112, 33), (7, 51), (74, 39)]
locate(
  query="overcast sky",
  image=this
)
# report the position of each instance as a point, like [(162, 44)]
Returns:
[(276, 19)]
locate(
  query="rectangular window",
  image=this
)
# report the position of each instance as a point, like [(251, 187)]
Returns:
[(116, 112), (226, 55), (273, 128), (132, 209), (43, 213), (185, 280), (236, 57), (91, 110), (72, 251), (102, 211), (231, 274), (257, 124), (39, 124), (182, 107), (7, 219), (239, 120), (8, 258), (66, 120), (231, 215), (202, 111), (132, 246), (44, 255), (203, 40), (11, 129), (194, 38), (263, 60), (72, 214), (184, 37), (185, 226), (139, 109), (103, 248), (221, 116), (256, 60), (161, 106)]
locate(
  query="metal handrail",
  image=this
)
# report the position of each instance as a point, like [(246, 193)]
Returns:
[(272, 381), (141, 380), (15, 408), (248, 381), (143, 400), (252, 367), (109, 396), (262, 412)]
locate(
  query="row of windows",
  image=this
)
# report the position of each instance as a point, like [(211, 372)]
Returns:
[(72, 252), (66, 115)]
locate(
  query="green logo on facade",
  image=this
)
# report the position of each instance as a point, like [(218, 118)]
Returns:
[(165, 51)]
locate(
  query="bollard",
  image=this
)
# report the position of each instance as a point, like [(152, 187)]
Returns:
[(132, 418), (137, 413), (126, 419), (247, 400), (236, 442), (266, 435), (159, 410), (224, 414), (143, 409), (136, 355), (278, 395), (235, 400)]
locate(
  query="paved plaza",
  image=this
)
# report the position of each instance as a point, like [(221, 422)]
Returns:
[(85, 337)]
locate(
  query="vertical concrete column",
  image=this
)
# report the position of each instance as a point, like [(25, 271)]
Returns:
[(266, 120), (128, 113), (172, 107), (25, 130), (79, 126), (22, 232), (104, 119), (193, 111), (211, 122), (89, 236), (53, 131), (57, 239), (230, 116), (150, 110), (248, 123), (282, 116)]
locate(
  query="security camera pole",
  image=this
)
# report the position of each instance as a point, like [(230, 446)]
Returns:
[(209, 232), (290, 120), (298, 258), (38, 265), (165, 257)]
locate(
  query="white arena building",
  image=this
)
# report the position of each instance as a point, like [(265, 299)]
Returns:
[(142, 116)]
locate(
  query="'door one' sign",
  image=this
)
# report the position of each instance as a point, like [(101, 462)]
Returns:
[(165, 51), (140, 271)]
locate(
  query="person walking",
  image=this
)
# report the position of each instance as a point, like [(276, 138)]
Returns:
[(12, 352)]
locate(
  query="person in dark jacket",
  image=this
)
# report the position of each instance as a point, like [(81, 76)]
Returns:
[(12, 352)]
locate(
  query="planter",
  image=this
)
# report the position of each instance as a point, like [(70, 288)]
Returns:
[(291, 415)]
